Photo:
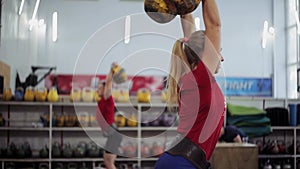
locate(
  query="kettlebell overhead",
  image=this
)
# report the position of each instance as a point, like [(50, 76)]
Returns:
[(163, 11)]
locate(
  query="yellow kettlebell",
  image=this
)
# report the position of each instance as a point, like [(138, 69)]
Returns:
[(87, 94), (60, 120), (96, 96), (143, 95), (53, 95), (115, 94), (132, 120), (120, 120), (29, 94), (41, 94), (7, 94), (75, 94), (124, 96), (164, 96), (119, 73)]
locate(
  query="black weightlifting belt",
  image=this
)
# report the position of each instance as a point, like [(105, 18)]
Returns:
[(184, 147)]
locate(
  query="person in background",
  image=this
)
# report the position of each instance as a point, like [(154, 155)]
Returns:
[(231, 134), (192, 85), (105, 117)]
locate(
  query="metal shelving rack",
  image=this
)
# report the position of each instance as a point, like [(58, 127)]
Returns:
[(50, 106), (257, 101)]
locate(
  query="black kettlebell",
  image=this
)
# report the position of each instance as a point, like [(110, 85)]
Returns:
[(83, 166), (12, 150), (56, 150), (267, 165), (80, 150), (93, 150), (43, 166), (21, 152), (58, 166), (72, 166), (287, 165), (10, 165), (27, 150), (44, 152)]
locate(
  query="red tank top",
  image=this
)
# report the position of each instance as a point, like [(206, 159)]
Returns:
[(201, 108), (105, 112)]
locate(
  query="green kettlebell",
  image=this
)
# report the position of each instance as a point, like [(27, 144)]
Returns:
[(67, 151), (72, 166), (44, 152), (43, 166), (80, 150)]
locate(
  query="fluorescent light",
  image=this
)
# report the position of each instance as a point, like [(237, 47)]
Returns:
[(54, 26), (21, 7), (197, 23), (264, 35), (35, 9), (127, 29), (297, 21), (37, 3)]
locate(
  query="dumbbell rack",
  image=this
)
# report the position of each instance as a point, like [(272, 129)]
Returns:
[(60, 134)]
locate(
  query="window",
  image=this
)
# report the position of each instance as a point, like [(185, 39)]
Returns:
[(293, 61)]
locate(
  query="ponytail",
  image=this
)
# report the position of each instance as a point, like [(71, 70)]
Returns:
[(179, 65)]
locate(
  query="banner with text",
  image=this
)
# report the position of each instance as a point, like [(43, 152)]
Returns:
[(241, 86)]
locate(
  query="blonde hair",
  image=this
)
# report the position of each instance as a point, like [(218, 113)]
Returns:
[(185, 57)]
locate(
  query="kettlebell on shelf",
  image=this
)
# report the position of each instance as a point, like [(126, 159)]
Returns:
[(53, 95), (44, 152), (10, 165), (132, 120), (41, 94), (72, 166), (56, 150), (7, 94), (83, 119), (58, 166), (29, 94), (67, 151), (75, 95), (120, 119), (287, 165), (267, 165), (88, 94), (19, 94), (143, 95), (80, 150), (43, 166)]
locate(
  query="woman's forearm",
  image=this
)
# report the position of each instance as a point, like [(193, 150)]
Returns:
[(212, 22)]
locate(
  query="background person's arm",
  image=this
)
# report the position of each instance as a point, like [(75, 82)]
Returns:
[(108, 85)]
